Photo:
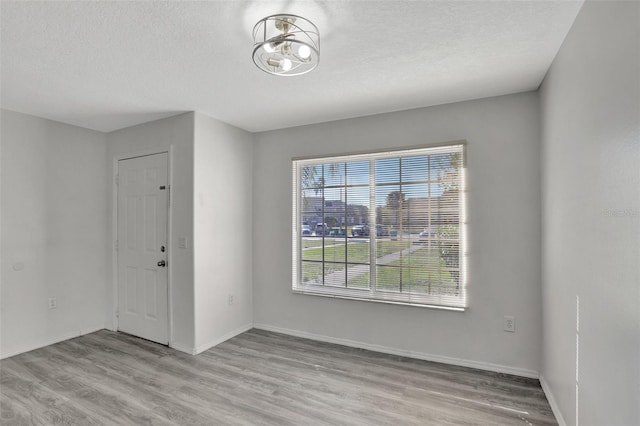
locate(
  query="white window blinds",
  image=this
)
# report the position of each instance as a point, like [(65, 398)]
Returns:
[(385, 226)]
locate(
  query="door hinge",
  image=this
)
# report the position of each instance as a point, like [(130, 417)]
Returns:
[(117, 312), (117, 245), (118, 179)]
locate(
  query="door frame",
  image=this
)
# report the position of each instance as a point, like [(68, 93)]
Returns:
[(114, 232)]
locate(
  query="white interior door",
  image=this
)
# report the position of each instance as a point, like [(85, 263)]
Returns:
[(142, 247)]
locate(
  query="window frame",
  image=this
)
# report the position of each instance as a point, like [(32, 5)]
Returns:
[(373, 294)]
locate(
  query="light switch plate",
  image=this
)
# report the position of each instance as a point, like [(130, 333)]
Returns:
[(182, 242)]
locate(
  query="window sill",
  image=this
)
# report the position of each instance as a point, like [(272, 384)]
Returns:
[(311, 292)]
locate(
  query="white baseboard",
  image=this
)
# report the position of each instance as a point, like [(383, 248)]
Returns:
[(185, 349), (46, 341), (552, 401), (403, 352), (217, 341)]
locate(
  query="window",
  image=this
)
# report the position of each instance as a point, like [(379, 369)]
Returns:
[(386, 226)]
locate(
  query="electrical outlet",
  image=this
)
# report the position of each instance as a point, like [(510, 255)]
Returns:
[(509, 324), (52, 303), (230, 299)]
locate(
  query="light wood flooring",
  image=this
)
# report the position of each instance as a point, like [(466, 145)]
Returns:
[(256, 378)]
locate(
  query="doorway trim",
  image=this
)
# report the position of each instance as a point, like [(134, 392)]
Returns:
[(114, 232)]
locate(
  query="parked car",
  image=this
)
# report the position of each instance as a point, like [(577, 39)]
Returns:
[(363, 231), (382, 231), (306, 231), (393, 234), (427, 233), (338, 232), (360, 231), (321, 229)]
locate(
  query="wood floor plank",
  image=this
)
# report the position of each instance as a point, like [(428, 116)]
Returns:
[(256, 378), (13, 413), (43, 405)]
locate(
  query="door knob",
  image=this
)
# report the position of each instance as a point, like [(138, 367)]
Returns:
[(162, 263)]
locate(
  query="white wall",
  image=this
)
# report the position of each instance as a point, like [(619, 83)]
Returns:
[(157, 136), (223, 230), (54, 231), (504, 235), (591, 217)]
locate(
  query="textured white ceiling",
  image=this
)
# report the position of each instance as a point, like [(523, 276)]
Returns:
[(108, 65)]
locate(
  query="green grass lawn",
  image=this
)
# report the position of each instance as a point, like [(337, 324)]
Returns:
[(308, 242), (334, 251), (357, 250), (423, 270)]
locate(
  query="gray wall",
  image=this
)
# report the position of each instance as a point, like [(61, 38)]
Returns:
[(54, 231), (591, 218), (504, 236), (223, 231)]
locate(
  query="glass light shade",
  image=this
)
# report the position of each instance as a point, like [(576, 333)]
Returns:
[(286, 45), (304, 52)]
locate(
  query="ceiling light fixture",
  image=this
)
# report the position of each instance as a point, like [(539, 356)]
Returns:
[(286, 45)]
